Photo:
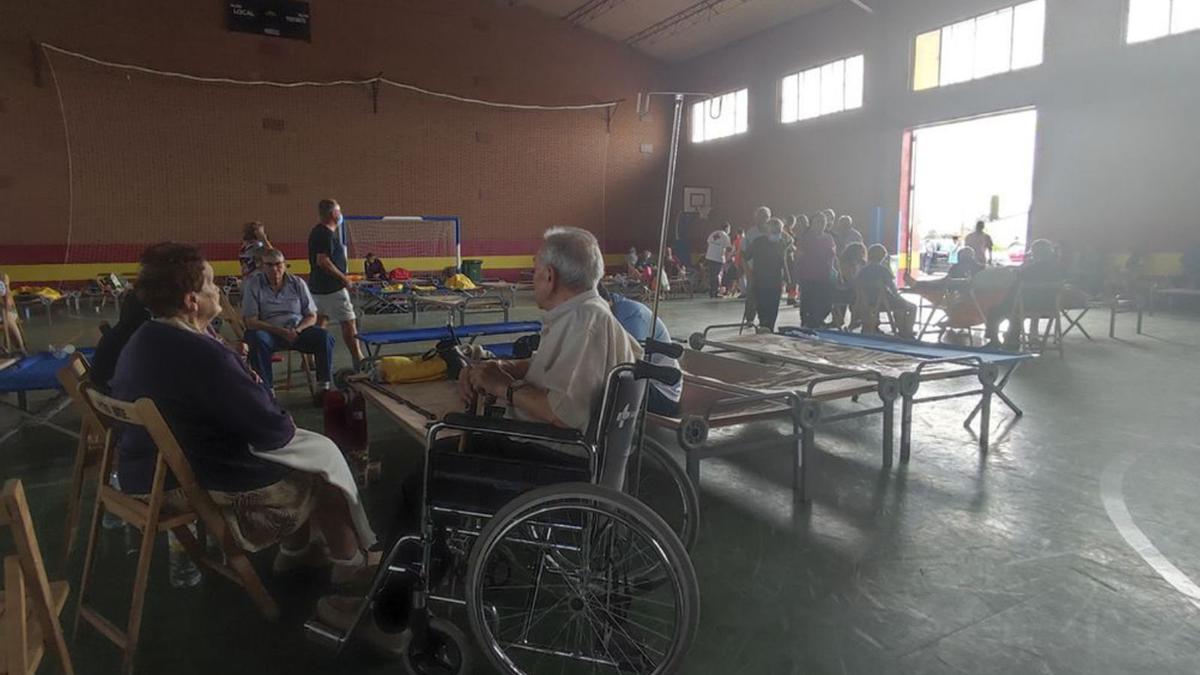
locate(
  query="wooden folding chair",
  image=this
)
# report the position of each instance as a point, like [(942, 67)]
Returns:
[(154, 516), (1032, 305), (233, 316), (89, 451), (869, 307), (31, 605)]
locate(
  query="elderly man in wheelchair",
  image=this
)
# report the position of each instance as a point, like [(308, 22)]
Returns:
[(523, 521)]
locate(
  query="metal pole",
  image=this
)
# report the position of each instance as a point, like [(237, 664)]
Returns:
[(666, 214)]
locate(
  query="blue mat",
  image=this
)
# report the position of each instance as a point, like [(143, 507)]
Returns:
[(390, 337), (38, 371), (920, 350)]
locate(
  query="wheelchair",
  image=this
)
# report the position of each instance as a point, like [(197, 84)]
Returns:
[(556, 566)]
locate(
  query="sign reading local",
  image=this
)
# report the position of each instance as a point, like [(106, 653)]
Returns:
[(277, 18)]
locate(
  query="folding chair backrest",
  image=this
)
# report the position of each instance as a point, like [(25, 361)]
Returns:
[(28, 592), (614, 429), (869, 302), (72, 377), (1041, 299), (144, 413), (93, 442), (233, 316)]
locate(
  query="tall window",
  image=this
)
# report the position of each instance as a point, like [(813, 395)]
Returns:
[(997, 42), (823, 90), (1150, 19), (720, 116)]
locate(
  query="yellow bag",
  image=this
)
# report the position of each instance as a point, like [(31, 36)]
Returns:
[(43, 292), (408, 369), (460, 282), (393, 288)]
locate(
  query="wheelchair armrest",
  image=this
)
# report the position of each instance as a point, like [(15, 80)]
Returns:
[(644, 370), (669, 349), (503, 426)]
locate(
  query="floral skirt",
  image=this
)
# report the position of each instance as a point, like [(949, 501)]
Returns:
[(260, 518)]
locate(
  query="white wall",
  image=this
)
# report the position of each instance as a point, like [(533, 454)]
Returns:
[(1118, 159)]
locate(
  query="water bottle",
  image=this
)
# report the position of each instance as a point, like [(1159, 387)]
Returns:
[(183, 573), (111, 522)]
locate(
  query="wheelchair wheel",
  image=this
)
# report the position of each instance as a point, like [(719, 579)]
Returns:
[(444, 651), (576, 606), (657, 480)]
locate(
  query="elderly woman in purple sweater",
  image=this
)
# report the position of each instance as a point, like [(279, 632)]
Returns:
[(273, 482)]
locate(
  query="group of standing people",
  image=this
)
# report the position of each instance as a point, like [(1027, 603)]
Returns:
[(818, 257)]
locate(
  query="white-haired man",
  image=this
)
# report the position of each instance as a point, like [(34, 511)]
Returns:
[(562, 384), (581, 340)]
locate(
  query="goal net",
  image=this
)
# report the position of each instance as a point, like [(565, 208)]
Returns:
[(411, 242)]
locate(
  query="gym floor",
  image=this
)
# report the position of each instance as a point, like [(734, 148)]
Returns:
[(1014, 562)]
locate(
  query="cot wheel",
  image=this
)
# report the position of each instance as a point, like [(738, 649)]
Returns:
[(657, 480), (693, 431), (575, 607), (696, 341), (444, 651)]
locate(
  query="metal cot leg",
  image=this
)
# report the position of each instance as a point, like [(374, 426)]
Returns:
[(985, 415), (803, 476), (906, 413), (889, 422), (888, 391)]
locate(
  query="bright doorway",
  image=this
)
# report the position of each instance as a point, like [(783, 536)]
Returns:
[(964, 171)]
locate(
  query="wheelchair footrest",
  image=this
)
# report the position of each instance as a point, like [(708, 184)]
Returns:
[(325, 636)]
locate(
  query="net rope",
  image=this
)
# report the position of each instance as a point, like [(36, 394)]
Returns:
[(398, 242), (155, 155)]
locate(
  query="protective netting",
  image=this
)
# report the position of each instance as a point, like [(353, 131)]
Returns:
[(399, 241), (159, 156)]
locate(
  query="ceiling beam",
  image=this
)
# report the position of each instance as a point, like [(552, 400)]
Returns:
[(589, 11), (683, 19)]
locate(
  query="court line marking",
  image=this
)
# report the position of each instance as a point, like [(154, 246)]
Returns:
[(1111, 492)]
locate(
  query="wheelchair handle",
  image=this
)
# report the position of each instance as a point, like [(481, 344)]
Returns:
[(644, 370), (669, 349)]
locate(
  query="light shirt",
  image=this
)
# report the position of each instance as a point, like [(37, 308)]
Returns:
[(635, 317), (581, 341), (284, 308), (981, 243), (718, 246)]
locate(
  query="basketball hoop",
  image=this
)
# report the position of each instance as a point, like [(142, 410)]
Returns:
[(704, 211)]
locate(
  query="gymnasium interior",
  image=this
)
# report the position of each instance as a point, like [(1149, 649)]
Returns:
[(774, 337)]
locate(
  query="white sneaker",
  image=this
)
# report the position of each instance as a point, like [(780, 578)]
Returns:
[(356, 572)]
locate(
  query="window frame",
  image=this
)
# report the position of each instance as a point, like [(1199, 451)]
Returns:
[(1009, 4), (1169, 34), (818, 67), (691, 116)]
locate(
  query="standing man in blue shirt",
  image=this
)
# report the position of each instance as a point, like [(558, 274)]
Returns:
[(327, 275), (635, 317), (280, 314)]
